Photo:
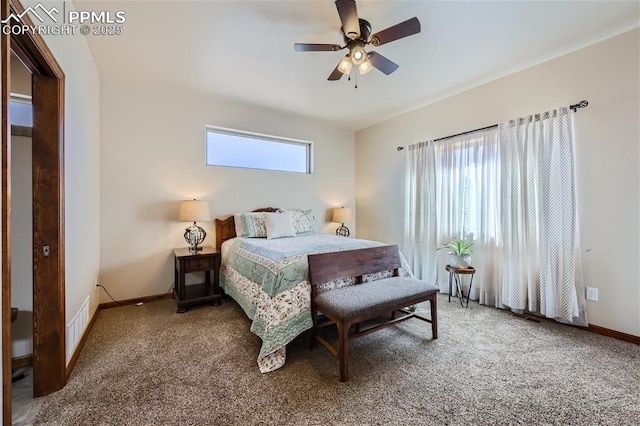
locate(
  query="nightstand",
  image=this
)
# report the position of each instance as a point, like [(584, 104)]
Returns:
[(207, 260)]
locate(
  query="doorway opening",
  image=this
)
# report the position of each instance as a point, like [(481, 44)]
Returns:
[(48, 250), (21, 120)]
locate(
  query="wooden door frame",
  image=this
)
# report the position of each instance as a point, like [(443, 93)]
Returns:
[(48, 82)]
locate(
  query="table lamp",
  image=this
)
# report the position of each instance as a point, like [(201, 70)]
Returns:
[(341, 215), (194, 211)]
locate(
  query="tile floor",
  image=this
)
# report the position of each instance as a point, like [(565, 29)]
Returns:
[(24, 407)]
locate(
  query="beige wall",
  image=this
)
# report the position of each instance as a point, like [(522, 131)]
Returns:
[(82, 168), (21, 246), (153, 156), (20, 77), (607, 137)]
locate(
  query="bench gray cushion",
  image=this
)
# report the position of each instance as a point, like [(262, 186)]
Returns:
[(352, 301)]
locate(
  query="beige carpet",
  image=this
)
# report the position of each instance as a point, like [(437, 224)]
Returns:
[(147, 365)]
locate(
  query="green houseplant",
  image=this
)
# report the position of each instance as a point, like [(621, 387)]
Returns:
[(459, 252)]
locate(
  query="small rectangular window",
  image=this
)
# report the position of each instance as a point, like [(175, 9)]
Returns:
[(233, 148), (21, 111)]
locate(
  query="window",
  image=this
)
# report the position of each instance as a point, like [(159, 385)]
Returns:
[(467, 175), (20, 110), (233, 148)]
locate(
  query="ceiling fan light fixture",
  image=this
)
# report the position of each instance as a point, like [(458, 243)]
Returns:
[(345, 65), (356, 33), (358, 55), (365, 67)]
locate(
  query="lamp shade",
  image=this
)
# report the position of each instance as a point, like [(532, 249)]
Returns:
[(365, 67), (345, 65), (194, 211), (341, 215)]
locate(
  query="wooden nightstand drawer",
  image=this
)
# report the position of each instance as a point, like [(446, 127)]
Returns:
[(198, 264)]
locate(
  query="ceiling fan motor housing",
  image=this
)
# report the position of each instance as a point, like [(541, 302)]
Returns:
[(365, 32)]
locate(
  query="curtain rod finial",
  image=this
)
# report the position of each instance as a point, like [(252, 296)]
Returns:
[(581, 104), (400, 148)]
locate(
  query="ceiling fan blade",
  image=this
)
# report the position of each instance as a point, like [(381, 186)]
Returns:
[(336, 74), (349, 18), (383, 64), (396, 32), (315, 47)]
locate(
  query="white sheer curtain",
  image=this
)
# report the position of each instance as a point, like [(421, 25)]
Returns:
[(467, 206), (452, 190), (420, 226), (542, 271), (512, 190)]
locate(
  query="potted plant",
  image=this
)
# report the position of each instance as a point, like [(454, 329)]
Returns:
[(459, 252)]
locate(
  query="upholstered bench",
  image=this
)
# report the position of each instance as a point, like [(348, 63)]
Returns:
[(351, 305)]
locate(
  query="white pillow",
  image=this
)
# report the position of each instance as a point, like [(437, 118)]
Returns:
[(279, 225)]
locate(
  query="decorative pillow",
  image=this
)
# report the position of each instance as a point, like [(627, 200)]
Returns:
[(237, 222), (250, 225), (279, 225), (304, 221)]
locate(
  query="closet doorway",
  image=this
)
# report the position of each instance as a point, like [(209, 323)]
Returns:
[(49, 360)]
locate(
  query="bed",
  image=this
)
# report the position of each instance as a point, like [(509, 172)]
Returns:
[(268, 278)]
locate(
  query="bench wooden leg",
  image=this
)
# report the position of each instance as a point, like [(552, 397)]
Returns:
[(314, 328), (343, 350), (433, 302)]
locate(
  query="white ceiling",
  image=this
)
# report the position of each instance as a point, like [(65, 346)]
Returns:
[(243, 50)]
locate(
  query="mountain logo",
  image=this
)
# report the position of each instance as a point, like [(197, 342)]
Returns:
[(37, 11)]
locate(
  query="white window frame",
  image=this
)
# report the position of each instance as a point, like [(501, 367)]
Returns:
[(260, 136)]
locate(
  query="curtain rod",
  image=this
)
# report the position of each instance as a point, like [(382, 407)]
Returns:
[(574, 108)]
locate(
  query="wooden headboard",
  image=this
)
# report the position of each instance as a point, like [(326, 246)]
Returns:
[(226, 228)]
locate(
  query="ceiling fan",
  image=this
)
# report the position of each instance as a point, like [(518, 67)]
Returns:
[(357, 35)]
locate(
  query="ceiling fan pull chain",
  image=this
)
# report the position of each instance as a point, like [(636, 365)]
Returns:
[(356, 78)]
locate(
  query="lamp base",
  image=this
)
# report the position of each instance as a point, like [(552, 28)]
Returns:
[(343, 231), (194, 236)]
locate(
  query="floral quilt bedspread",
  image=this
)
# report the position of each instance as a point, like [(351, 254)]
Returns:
[(269, 280)]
